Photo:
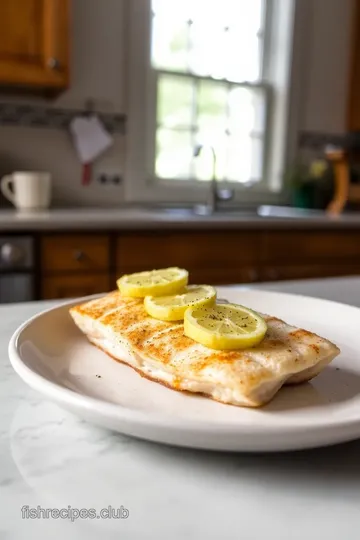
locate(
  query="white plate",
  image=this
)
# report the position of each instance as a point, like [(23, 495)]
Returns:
[(52, 356)]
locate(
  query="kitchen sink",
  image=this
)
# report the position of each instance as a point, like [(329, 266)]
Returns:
[(176, 211), (289, 212), (264, 211), (187, 212), (201, 212)]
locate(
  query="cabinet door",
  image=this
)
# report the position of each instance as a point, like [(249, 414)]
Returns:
[(309, 271), (306, 247), (213, 257), (74, 286), (74, 253), (34, 36), (230, 276)]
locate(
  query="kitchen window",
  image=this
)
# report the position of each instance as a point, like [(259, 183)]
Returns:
[(213, 73)]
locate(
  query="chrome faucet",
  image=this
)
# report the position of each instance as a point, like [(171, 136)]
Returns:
[(216, 194)]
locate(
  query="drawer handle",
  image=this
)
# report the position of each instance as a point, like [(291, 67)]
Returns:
[(79, 255)]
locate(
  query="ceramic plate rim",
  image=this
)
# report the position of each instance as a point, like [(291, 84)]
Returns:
[(66, 396)]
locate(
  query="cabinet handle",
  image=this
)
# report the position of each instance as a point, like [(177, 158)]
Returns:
[(79, 255), (53, 63)]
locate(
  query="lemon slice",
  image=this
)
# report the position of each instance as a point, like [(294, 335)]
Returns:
[(223, 327), (172, 308), (153, 283)]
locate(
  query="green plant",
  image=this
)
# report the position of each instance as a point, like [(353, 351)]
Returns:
[(296, 176)]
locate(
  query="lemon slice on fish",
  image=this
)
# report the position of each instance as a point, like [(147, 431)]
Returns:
[(224, 326), (153, 283), (173, 307)]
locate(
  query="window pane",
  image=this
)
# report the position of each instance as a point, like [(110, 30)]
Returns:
[(207, 49), (241, 114), (225, 12), (243, 15), (245, 63), (174, 154), (175, 101), (244, 163), (181, 10), (170, 43), (224, 53), (212, 107), (204, 164), (216, 38), (239, 159), (221, 40), (246, 111)]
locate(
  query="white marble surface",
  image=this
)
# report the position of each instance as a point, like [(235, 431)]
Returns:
[(127, 218), (51, 459)]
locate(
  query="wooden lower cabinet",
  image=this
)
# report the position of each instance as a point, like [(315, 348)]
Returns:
[(74, 265), (308, 271), (75, 253), (304, 247), (211, 276), (225, 275), (73, 286), (213, 257)]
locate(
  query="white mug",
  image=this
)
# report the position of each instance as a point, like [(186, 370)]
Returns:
[(27, 190)]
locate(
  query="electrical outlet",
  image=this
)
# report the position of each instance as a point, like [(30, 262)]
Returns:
[(109, 179)]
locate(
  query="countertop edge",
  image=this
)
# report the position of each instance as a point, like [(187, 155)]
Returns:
[(91, 222)]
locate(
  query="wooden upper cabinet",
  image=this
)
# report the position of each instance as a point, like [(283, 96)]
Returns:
[(34, 44)]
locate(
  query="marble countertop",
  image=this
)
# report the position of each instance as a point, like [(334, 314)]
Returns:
[(52, 460), (128, 218)]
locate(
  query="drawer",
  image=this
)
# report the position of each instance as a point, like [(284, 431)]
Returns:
[(74, 253), (215, 276), (74, 286), (308, 271), (304, 246), (211, 251)]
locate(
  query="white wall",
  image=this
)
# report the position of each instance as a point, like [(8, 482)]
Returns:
[(98, 59), (326, 44)]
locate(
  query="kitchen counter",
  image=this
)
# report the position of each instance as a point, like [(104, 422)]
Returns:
[(139, 218), (51, 459)]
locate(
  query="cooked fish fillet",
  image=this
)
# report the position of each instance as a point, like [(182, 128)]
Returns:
[(159, 351)]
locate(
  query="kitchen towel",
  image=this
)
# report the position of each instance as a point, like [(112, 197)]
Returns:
[(90, 139)]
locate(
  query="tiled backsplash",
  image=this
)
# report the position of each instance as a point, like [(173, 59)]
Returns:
[(18, 114), (318, 140)]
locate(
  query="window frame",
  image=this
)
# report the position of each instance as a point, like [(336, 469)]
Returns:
[(141, 91)]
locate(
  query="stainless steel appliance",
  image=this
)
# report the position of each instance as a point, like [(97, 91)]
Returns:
[(16, 269)]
